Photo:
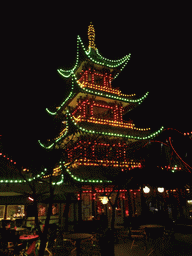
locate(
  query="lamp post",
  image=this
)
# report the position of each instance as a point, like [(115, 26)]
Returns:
[(160, 189), (146, 190), (104, 199)]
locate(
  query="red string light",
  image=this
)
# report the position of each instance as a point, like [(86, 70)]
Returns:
[(10, 160), (186, 165)]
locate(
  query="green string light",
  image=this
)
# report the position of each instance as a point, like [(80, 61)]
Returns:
[(63, 103), (84, 180), (115, 134), (59, 182), (56, 140), (23, 181), (46, 147)]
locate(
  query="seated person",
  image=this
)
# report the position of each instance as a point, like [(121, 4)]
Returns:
[(8, 226)]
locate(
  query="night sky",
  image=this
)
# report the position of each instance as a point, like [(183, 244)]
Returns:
[(35, 44)]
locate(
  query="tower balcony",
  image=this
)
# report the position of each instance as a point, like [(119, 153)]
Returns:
[(108, 122), (100, 88), (103, 88), (96, 162)]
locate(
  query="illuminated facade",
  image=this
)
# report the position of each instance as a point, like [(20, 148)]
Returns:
[(94, 137)]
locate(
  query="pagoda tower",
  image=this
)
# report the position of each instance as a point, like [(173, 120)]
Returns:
[(94, 139)]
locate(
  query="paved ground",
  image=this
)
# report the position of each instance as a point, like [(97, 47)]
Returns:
[(180, 246)]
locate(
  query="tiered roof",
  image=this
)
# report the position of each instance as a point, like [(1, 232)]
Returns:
[(91, 59)]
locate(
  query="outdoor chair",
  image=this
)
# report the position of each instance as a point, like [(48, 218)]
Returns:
[(10, 247), (169, 234), (169, 229), (138, 235), (47, 249), (155, 239), (50, 245), (62, 250), (124, 234), (91, 246), (60, 246), (16, 249), (31, 249), (69, 245), (10, 243)]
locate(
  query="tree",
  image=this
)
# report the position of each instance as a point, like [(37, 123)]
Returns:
[(38, 188)]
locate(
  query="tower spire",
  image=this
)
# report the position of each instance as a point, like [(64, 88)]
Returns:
[(91, 36)]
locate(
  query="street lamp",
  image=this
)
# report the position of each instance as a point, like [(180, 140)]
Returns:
[(104, 199), (146, 190), (160, 190)]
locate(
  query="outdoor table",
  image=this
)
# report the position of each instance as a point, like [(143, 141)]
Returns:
[(28, 237), (77, 237)]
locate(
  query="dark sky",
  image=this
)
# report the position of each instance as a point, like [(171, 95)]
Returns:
[(36, 43)]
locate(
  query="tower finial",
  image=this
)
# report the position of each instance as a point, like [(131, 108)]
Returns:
[(91, 36)]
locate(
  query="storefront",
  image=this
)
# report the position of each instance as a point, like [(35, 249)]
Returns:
[(12, 209), (12, 206)]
